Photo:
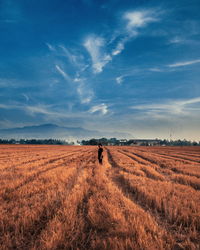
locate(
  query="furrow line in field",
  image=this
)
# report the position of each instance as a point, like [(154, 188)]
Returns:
[(10, 156), (186, 156), (51, 159), (48, 214), (30, 162), (152, 171), (31, 234), (161, 164), (14, 176), (37, 174), (177, 157), (174, 151), (113, 216), (82, 211), (37, 159), (115, 175), (134, 157), (78, 235), (140, 198), (168, 175), (172, 157), (129, 193), (144, 157)]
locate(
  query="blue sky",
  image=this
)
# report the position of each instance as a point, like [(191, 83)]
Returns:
[(129, 66)]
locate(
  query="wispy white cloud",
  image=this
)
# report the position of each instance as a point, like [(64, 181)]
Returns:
[(135, 20), (176, 40), (185, 63), (155, 69), (129, 73), (5, 123), (119, 79), (5, 106), (77, 79), (12, 83), (38, 109), (26, 97), (95, 46), (171, 67), (75, 58), (120, 47), (48, 112), (173, 107), (101, 108), (77, 71), (30, 109), (138, 19), (51, 47), (71, 57), (62, 72), (85, 93), (189, 101)]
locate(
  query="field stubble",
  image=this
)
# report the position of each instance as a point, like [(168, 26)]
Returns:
[(59, 197)]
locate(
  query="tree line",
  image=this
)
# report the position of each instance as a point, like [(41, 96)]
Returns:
[(132, 142), (103, 141), (36, 141)]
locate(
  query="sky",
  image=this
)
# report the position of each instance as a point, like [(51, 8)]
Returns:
[(125, 66)]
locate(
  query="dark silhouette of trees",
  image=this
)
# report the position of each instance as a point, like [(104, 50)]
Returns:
[(132, 142), (103, 141), (35, 141)]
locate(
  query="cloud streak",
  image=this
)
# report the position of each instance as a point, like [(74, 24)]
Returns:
[(51, 47), (95, 46), (175, 107), (120, 47), (134, 21), (101, 108), (85, 93), (62, 73), (138, 19), (180, 64), (119, 79), (77, 68), (73, 59), (48, 111)]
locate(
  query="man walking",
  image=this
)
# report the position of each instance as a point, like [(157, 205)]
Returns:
[(100, 155)]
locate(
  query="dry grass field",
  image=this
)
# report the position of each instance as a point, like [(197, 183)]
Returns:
[(59, 197)]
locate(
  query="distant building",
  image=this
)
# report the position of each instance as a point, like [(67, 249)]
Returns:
[(122, 142), (146, 142)]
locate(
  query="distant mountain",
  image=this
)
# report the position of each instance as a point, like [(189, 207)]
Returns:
[(56, 132)]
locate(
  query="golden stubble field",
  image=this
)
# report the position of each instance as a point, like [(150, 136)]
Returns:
[(59, 197)]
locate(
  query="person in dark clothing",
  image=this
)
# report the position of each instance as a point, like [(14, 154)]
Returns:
[(100, 155)]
